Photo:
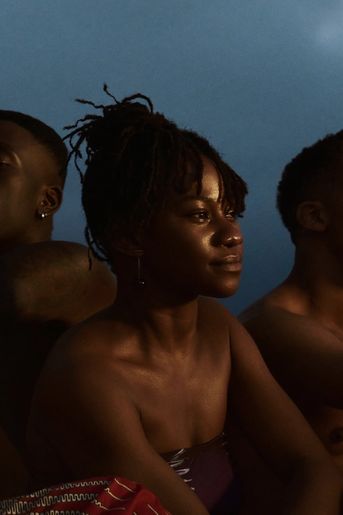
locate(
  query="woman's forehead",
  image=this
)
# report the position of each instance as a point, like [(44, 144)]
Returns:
[(212, 185)]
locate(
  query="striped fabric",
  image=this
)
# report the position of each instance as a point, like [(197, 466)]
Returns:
[(95, 496)]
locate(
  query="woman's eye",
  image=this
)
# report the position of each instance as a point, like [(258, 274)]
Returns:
[(200, 216), (230, 214)]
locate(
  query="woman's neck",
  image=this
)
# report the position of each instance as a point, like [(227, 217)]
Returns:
[(168, 323)]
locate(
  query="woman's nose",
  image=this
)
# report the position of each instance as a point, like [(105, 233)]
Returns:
[(229, 234)]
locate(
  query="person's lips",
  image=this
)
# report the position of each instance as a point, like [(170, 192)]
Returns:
[(229, 263)]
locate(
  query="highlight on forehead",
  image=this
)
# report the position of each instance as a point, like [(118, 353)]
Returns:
[(231, 188), (188, 170)]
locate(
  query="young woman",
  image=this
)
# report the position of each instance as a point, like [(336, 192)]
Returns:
[(145, 388)]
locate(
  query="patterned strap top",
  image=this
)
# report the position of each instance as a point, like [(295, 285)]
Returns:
[(207, 470)]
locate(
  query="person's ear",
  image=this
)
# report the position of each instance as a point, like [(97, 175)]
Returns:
[(49, 201), (312, 215)]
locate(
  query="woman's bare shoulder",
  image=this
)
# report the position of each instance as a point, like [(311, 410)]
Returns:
[(88, 341), (82, 363), (217, 321)]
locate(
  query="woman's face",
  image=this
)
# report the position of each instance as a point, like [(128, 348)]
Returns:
[(195, 246)]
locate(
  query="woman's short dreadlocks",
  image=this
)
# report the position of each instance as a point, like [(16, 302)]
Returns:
[(134, 158)]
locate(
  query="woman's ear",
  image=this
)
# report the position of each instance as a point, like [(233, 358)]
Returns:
[(312, 215)]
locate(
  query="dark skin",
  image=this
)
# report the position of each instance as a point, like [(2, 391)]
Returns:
[(29, 185), (46, 287), (299, 325), (151, 373)]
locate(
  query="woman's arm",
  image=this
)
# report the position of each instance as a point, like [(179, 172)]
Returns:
[(279, 432)]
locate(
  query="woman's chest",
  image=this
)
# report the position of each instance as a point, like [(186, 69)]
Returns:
[(184, 405)]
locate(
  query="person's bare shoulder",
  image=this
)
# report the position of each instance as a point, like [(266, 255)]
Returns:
[(275, 315), (304, 355), (215, 320), (278, 298), (92, 339), (54, 281), (81, 360)]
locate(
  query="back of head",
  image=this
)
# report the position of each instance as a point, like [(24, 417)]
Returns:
[(44, 135), (135, 158), (311, 175)]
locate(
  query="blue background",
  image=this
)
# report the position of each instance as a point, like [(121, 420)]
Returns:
[(259, 78)]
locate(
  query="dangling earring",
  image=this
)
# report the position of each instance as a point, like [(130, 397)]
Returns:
[(140, 281)]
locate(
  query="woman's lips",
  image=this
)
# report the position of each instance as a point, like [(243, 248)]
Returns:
[(230, 263)]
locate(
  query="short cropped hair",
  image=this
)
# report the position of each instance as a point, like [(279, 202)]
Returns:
[(135, 158), (44, 135), (307, 175)]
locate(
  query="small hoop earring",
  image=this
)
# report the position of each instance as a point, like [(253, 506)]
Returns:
[(140, 281)]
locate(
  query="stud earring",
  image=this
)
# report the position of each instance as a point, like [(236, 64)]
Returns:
[(140, 281), (42, 215)]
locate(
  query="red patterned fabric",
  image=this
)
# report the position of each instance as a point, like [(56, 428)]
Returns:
[(94, 496)]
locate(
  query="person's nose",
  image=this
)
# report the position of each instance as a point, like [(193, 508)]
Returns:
[(228, 233)]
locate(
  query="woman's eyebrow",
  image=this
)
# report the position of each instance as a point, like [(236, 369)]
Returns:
[(196, 197)]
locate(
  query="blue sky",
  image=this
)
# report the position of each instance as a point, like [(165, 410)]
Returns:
[(261, 79)]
